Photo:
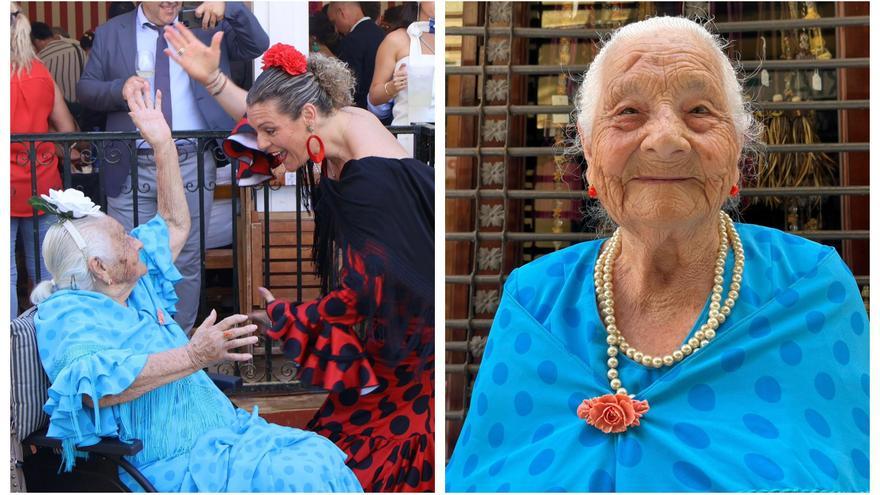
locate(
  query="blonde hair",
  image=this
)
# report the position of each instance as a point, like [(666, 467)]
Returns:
[(21, 53)]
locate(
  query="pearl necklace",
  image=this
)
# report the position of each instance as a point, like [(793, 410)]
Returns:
[(718, 313)]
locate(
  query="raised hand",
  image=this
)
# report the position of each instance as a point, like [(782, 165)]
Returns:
[(212, 341), (211, 13), (147, 117), (201, 62)]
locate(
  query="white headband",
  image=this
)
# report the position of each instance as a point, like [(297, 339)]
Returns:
[(77, 238)]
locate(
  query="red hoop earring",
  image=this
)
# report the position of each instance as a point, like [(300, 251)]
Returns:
[(734, 191), (591, 191), (318, 157)]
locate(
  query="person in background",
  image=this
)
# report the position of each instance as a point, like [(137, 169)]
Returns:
[(410, 36), (360, 42), (369, 338), (36, 106), (109, 80), (322, 34), (63, 57), (86, 41), (119, 8)]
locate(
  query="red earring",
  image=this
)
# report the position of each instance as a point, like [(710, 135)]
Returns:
[(734, 191), (591, 191), (318, 157)]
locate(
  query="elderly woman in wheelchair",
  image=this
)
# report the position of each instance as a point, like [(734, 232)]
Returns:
[(121, 366)]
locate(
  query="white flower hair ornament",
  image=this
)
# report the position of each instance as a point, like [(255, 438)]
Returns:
[(69, 204)]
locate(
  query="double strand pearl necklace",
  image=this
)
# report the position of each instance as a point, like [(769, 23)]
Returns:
[(718, 313)]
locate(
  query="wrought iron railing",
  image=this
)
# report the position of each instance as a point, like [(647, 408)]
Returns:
[(268, 371)]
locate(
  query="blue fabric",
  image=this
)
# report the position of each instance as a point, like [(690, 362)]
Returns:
[(194, 438), (777, 401)]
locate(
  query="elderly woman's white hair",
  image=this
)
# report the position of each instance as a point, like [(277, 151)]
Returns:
[(748, 128), (591, 87), (66, 262)]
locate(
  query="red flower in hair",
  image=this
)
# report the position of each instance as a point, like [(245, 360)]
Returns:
[(286, 58)]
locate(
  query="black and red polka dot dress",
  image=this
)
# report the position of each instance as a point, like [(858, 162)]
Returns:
[(380, 412)]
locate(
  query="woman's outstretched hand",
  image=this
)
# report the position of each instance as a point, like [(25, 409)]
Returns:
[(201, 62), (147, 117), (212, 341), (260, 317)]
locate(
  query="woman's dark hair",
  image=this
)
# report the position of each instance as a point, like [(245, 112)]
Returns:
[(371, 9), (327, 83), (41, 31), (322, 29), (87, 39), (400, 16)]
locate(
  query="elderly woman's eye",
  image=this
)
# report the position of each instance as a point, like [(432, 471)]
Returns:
[(700, 110), (628, 111)]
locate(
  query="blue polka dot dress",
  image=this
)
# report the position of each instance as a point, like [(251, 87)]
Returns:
[(194, 438), (777, 401)]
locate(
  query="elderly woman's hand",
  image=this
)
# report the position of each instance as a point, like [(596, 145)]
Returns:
[(212, 341), (201, 62), (147, 117)]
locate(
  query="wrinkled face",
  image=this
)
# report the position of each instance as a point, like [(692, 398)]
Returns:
[(161, 13), (279, 135), (128, 267), (663, 149)]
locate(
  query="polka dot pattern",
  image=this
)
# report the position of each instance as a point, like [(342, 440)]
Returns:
[(760, 426), (841, 352), (817, 422), (824, 464), (825, 385), (523, 403), (499, 374), (541, 462), (629, 451), (836, 292), (790, 353), (702, 397), (691, 476), (778, 378), (732, 359), (768, 389), (764, 467), (547, 372), (691, 435)]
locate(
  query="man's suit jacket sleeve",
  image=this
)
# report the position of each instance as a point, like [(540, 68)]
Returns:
[(244, 38), (93, 90), (352, 53)]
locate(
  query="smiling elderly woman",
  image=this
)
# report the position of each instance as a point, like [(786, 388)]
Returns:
[(121, 366), (687, 352)]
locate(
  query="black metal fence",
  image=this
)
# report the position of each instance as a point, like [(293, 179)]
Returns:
[(103, 150)]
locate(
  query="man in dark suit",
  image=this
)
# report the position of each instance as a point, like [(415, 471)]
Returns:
[(360, 42), (128, 55)]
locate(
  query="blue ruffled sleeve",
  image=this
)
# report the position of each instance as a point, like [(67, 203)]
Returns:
[(156, 254), (72, 330)]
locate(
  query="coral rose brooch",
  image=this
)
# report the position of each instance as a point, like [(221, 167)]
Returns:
[(612, 413)]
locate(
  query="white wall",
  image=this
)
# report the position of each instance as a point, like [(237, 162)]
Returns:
[(286, 22)]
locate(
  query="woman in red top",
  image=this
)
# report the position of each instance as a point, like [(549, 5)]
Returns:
[(37, 106), (369, 339)]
